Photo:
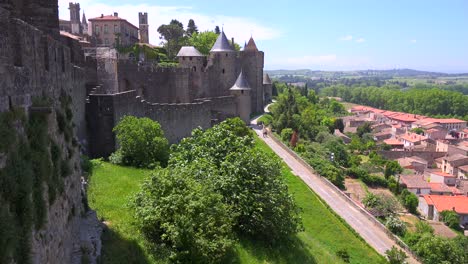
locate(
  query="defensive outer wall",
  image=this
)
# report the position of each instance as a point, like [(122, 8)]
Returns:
[(35, 62)]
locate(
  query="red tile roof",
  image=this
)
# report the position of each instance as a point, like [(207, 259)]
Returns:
[(111, 18), (413, 137), (393, 142), (439, 187), (414, 181), (444, 202), (443, 174)]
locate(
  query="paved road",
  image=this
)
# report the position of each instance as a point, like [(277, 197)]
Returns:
[(356, 219)]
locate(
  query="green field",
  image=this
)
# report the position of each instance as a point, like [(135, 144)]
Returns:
[(325, 234)]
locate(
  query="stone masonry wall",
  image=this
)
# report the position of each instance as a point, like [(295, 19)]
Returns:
[(37, 65)]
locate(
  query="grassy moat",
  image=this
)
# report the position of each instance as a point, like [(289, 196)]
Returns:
[(325, 234)]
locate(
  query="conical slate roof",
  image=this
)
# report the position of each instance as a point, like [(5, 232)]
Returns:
[(251, 46), (84, 21), (266, 79), (241, 83), (222, 44), (189, 51)]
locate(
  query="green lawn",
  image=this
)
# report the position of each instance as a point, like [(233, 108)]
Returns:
[(325, 233)]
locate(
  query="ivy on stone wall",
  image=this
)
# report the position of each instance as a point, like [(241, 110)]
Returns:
[(34, 163)]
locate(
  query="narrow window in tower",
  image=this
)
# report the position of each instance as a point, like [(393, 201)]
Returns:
[(226, 54), (62, 59), (46, 55), (190, 58), (194, 68), (224, 71)]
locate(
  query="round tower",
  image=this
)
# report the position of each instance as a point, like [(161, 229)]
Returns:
[(241, 90), (222, 66), (252, 65)]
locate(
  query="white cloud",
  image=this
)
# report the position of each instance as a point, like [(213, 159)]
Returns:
[(360, 40), (238, 27), (347, 38), (413, 41)]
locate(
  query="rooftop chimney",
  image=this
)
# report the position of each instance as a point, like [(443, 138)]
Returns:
[(116, 14), (102, 15)]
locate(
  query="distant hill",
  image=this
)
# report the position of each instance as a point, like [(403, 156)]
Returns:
[(363, 73)]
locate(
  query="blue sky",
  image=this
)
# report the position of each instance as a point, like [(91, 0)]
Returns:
[(321, 35)]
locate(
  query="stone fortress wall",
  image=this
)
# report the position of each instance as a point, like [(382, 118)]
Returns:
[(35, 62)]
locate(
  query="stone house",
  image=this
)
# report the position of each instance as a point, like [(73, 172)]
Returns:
[(451, 163), (410, 140), (112, 31), (441, 177), (415, 184), (431, 206)]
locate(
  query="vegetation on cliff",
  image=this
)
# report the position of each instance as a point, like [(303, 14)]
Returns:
[(35, 165)]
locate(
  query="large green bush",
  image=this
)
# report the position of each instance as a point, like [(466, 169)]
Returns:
[(142, 142), (183, 216)]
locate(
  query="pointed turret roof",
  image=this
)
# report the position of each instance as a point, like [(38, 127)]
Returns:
[(83, 20), (241, 83), (251, 46), (189, 51), (222, 44), (266, 79)]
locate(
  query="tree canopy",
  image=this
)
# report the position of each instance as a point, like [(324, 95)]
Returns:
[(141, 142)]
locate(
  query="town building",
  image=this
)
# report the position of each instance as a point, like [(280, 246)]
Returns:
[(113, 31), (432, 205)]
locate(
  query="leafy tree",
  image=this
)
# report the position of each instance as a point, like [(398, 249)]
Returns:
[(217, 31), (417, 130), (286, 134), (395, 225), (363, 129), (191, 28), (338, 124), (203, 41), (392, 168), (396, 255), (142, 142), (410, 201), (183, 216), (451, 219), (435, 249), (173, 34)]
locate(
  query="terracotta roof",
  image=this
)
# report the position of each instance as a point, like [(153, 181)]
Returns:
[(241, 83), (444, 202), (439, 187), (414, 181), (393, 141), (404, 117), (413, 137), (443, 174), (456, 157), (463, 168), (111, 18)]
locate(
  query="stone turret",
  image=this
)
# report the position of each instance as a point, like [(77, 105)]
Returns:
[(84, 24), (143, 26), (241, 90), (75, 18), (267, 88), (252, 64), (190, 57), (223, 63)]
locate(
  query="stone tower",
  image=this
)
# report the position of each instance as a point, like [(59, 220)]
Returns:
[(252, 65), (84, 24), (75, 18), (143, 22), (223, 62), (241, 90), (267, 88)]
